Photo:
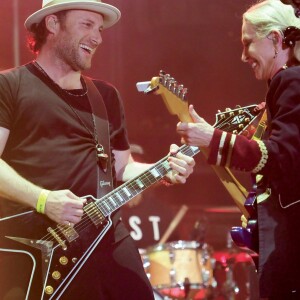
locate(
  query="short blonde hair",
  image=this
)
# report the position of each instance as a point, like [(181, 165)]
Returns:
[(272, 15)]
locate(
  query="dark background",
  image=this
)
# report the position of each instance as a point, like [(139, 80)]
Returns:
[(198, 43)]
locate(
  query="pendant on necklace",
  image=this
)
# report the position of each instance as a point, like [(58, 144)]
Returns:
[(102, 157)]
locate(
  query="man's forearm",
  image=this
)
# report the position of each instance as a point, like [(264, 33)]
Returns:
[(16, 188), (134, 169)]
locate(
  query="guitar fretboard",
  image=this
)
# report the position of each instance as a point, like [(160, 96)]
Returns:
[(124, 193)]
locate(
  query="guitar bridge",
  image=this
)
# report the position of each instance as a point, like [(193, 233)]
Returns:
[(57, 237), (69, 232)]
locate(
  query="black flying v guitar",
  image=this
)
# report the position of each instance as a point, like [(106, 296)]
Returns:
[(58, 252)]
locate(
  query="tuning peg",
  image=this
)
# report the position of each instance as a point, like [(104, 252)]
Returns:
[(179, 89), (174, 87), (162, 77), (237, 106), (184, 94), (165, 79), (169, 83)]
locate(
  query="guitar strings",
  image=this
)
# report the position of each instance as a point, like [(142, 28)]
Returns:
[(111, 201), (91, 210)]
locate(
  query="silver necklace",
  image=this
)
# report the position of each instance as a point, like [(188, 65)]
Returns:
[(78, 95)]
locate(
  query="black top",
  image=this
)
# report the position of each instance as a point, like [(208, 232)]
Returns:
[(283, 144)]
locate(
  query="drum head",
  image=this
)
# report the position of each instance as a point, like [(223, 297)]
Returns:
[(174, 245)]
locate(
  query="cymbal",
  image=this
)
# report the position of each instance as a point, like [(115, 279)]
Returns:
[(222, 209)]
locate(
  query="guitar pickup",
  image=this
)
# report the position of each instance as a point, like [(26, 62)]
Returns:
[(68, 232), (94, 213)]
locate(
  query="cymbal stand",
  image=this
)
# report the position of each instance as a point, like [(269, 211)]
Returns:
[(230, 288)]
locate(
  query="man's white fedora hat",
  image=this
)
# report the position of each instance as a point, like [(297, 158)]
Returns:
[(111, 14)]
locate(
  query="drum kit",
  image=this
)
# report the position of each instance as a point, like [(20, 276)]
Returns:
[(192, 270)]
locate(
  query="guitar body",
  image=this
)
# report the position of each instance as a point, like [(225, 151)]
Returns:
[(46, 266), (247, 238), (20, 268)]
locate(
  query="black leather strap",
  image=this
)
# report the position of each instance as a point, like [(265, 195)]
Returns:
[(105, 178)]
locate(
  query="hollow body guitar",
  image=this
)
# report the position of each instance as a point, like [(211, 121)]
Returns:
[(58, 252)]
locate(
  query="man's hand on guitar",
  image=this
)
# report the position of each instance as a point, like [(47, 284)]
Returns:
[(198, 133), (64, 207), (181, 164)]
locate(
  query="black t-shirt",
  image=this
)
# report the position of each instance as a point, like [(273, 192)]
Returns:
[(48, 143)]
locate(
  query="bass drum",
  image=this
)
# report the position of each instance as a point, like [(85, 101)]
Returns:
[(179, 269)]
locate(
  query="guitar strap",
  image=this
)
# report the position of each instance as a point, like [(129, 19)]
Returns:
[(99, 114), (104, 170)]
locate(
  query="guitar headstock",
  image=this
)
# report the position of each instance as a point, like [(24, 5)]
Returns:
[(239, 120), (174, 95)]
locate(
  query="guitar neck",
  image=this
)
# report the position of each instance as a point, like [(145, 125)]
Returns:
[(124, 193)]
